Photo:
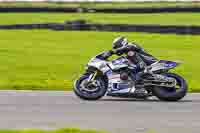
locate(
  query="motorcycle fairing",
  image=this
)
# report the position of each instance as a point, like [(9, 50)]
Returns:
[(169, 64), (99, 64), (118, 63), (163, 65)]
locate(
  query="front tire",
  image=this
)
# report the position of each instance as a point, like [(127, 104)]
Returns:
[(87, 95), (172, 94)]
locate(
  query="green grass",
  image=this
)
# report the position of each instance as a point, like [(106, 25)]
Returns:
[(161, 19), (100, 5), (66, 130), (42, 59)]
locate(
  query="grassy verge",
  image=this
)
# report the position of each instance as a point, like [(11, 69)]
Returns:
[(67, 130), (160, 19), (42, 59), (101, 5)]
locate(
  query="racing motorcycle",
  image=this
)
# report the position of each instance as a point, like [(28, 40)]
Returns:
[(104, 77)]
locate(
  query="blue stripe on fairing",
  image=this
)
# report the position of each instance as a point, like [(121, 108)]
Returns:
[(119, 86), (169, 63), (108, 72)]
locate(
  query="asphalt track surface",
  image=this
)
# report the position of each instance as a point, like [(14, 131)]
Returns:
[(49, 110)]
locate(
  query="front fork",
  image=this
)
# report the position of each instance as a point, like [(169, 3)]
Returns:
[(92, 76)]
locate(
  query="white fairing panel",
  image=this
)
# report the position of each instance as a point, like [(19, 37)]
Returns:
[(116, 67), (118, 63), (115, 84), (99, 64), (114, 78), (157, 66)]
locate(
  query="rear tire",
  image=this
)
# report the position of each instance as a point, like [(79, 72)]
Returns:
[(89, 96), (173, 95)]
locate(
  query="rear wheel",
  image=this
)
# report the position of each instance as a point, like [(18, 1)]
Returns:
[(172, 94), (93, 90)]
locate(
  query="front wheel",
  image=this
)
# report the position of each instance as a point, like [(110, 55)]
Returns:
[(172, 94), (92, 90)]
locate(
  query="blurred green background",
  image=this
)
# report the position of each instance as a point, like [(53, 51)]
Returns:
[(52, 60)]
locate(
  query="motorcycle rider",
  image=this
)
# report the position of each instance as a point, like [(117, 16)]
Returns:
[(138, 61)]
